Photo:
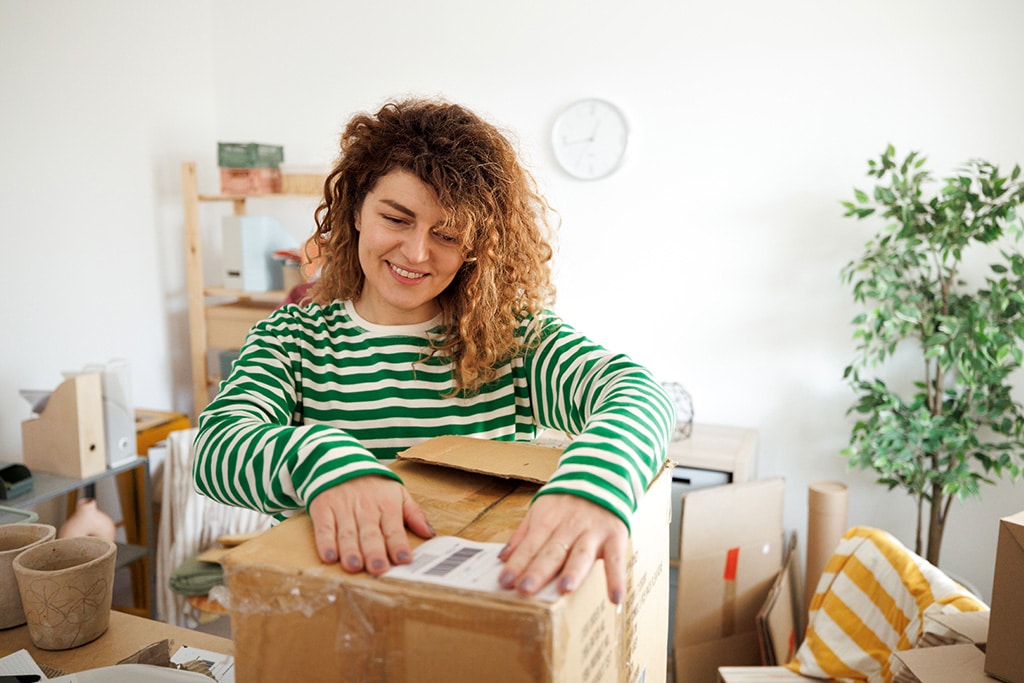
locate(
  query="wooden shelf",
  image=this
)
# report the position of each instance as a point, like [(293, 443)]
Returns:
[(213, 322), (246, 197), (275, 296)]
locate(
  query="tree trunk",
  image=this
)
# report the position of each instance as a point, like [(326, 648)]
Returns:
[(936, 525)]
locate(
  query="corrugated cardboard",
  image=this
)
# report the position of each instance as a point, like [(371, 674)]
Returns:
[(951, 628), (963, 663), (761, 674), (294, 618), (777, 622), (1004, 656), (731, 542)]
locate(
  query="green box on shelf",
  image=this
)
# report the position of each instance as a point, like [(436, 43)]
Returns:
[(249, 155)]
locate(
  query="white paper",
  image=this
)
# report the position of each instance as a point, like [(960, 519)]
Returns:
[(459, 563), (221, 666), (20, 663)]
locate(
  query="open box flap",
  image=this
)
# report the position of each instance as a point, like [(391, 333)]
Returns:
[(1014, 525), (505, 459)]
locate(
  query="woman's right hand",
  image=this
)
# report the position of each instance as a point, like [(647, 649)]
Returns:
[(362, 523)]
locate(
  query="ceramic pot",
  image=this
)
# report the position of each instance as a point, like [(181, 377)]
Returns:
[(88, 520), (15, 538), (66, 588)]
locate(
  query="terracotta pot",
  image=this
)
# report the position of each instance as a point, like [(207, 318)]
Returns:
[(15, 538), (66, 588), (88, 520)]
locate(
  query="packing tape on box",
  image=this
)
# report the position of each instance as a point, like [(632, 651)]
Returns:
[(732, 560)]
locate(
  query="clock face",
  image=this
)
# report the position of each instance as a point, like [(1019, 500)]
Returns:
[(589, 138)]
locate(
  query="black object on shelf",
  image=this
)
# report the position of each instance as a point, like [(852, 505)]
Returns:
[(16, 480)]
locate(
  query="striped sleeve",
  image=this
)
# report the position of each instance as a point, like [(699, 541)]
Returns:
[(248, 452), (620, 417)]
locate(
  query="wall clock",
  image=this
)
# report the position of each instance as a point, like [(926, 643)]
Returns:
[(589, 138)]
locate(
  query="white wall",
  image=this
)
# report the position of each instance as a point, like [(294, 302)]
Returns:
[(712, 255)]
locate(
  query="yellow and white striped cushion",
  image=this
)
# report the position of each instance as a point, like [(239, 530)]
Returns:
[(868, 604)]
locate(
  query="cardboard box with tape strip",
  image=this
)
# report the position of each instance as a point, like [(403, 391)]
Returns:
[(730, 551), (294, 617)]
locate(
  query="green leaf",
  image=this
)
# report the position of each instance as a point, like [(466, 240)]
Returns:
[(956, 424)]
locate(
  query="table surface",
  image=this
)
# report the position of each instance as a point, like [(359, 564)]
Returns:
[(126, 635)]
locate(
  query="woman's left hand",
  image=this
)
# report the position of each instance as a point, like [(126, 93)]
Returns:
[(561, 536)]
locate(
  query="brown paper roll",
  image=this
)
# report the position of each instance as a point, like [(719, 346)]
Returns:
[(827, 502)]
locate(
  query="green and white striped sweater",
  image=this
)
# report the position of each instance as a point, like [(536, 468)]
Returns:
[(318, 396)]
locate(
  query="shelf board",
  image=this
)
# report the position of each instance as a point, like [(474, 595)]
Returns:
[(244, 197), (276, 296), (128, 553)]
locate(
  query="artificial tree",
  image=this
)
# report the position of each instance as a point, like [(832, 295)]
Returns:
[(958, 426)]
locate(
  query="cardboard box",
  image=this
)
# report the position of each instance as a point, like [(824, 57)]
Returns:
[(1004, 656), (294, 617), (951, 648), (250, 181), (730, 551), (953, 628), (227, 325), (778, 623), (304, 180), (963, 663), (761, 674)]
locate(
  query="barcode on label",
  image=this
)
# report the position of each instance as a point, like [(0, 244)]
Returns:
[(452, 562), (420, 560)]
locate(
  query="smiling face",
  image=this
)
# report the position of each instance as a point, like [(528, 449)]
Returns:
[(407, 255)]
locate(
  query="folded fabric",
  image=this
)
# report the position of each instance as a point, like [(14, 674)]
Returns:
[(195, 577)]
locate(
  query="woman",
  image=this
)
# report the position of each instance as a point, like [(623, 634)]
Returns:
[(429, 318)]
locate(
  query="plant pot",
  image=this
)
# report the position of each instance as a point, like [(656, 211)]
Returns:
[(66, 588), (14, 538)]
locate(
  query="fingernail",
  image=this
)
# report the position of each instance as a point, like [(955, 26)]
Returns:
[(526, 585), (432, 532), (507, 579), (379, 564), (330, 556), (353, 562), (404, 556), (503, 553), (617, 598), (565, 584)]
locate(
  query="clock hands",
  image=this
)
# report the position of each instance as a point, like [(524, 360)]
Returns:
[(589, 138), (580, 141)]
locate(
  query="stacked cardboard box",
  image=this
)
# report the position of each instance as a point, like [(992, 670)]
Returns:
[(730, 553)]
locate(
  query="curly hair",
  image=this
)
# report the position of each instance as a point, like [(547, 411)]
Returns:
[(491, 203)]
